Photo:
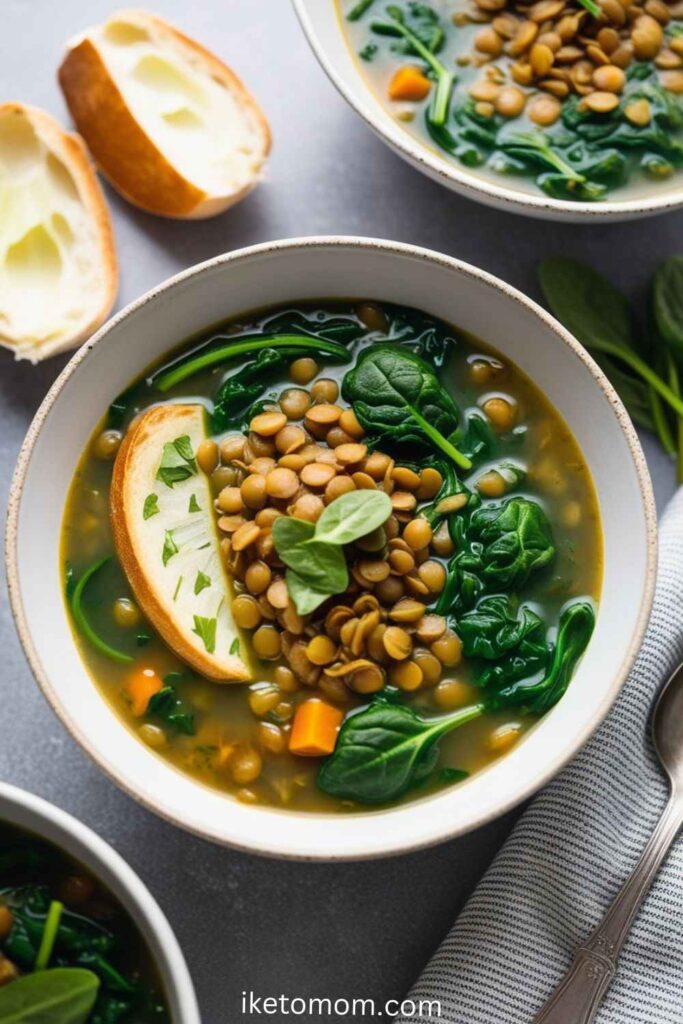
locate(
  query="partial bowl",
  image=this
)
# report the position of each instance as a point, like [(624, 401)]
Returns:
[(323, 29), (310, 269), (31, 813)]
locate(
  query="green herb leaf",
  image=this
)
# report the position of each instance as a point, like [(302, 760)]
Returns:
[(177, 462), (194, 504), (352, 516), (170, 547), (63, 995), (592, 7), (359, 9), (150, 507), (205, 628), (81, 621), (202, 582), (235, 646), (177, 587), (386, 749)]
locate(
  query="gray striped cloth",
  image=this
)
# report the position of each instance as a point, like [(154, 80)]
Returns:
[(568, 856)]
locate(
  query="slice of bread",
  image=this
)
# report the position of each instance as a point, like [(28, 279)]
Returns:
[(167, 540), (170, 125), (58, 273)]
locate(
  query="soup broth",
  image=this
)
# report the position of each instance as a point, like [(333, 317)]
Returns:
[(239, 737), (546, 97)]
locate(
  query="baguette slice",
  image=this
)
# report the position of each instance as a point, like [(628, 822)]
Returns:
[(166, 538), (170, 125), (58, 272)]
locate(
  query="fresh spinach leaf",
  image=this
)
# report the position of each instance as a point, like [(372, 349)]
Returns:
[(398, 400), (306, 598), (384, 750), (352, 516), (62, 995)]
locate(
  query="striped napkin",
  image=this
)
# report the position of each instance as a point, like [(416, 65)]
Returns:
[(568, 856)]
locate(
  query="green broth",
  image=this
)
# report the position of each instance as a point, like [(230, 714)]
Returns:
[(558, 479), (377, 60)]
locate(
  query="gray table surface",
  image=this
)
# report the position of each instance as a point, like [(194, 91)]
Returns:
[(247, 923)]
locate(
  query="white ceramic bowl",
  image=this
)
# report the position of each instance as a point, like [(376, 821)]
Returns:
[(282, 272), (323, 28), (26, 811)]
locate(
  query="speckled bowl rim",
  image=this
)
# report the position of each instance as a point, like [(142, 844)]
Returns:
[(450, 830), (37, 815), (515, 201)]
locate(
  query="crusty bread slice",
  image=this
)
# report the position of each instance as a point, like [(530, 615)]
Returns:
[(167, 540), (170, 125), (58, 273)]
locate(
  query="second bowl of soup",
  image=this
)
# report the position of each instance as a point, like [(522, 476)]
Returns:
[(344, 555)]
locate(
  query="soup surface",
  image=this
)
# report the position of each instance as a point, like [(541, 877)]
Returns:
[(68, 950), (571, 98), (411, 542)]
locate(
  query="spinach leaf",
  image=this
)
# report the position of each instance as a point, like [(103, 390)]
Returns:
[(419, 29), (499, 548), (398, 400), (62, 995), (242, 388), (667, 294), (384, 750), (491, 629), (222, 349), (320, 565), (81, 620), (306, 598), (352, 516), (169, 707), (575, 630), (599, 316)]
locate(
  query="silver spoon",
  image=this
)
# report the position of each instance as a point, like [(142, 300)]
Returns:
[(579, 994)]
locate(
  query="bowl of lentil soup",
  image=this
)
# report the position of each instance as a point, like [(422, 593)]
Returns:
[(560, 108), (81, 938), (362, 521)]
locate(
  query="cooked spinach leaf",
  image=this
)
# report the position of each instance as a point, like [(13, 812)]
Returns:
[(169, 707), (492, 629), (81, 620), (499, 547), (384, 750), (399, 401), (575, 630)]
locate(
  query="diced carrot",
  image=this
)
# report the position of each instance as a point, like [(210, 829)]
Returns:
[(141, 687), (409, 84), (315, 728)]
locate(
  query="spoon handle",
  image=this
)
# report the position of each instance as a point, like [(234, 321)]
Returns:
[(578, 996)]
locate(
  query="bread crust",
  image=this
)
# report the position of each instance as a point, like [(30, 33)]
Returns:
[(142, 431), (124, 152), (71, 150)]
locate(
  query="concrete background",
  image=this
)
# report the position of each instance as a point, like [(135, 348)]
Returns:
[(244, 922)]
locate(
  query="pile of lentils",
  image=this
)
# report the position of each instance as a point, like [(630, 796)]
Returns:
[(556, 48), (298, 456)]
